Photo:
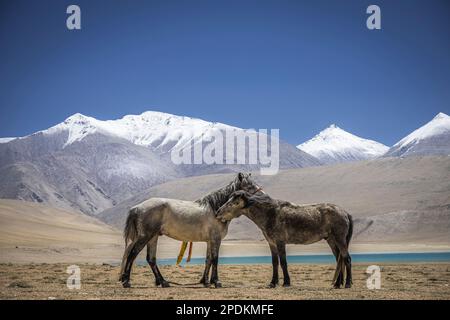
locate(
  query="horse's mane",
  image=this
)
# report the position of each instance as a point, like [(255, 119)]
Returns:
[(217, 198)]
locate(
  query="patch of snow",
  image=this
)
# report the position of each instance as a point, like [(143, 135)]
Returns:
[(6, 140)]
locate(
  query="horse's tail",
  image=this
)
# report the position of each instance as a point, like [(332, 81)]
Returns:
[(350, 230), (130, 232)]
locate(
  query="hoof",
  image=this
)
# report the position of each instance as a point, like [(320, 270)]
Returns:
[(218, 284), (272, 285), (126, 284), (336, 286), (165, 284), (205, 283), (348, 286), (286, 285)]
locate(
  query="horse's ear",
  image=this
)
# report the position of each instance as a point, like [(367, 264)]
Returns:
[(250, 174)]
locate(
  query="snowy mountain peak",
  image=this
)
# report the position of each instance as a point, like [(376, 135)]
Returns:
[(79, 118), (431, 138), (332, 131), (441, 115), (334, 145), (440, 124)]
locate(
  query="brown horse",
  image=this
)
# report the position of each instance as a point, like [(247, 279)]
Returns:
[(283, 222), (181, 220)]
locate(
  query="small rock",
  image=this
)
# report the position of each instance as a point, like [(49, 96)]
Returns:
[(19, 284)]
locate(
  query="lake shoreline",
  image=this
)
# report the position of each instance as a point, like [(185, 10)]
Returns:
[(392, 257)]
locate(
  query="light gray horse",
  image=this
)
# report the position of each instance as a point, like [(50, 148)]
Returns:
[(180, 220), (283, 222)]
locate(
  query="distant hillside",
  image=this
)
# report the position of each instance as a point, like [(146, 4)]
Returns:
[(26, 224), (31, 232), (390, 198)]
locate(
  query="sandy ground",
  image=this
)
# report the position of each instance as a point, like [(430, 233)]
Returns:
[(48, 281)]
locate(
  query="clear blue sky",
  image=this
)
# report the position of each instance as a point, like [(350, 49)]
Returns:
[(294, 65)]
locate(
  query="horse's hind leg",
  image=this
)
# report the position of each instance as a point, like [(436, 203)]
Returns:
[(348, 267), (347, 261), (151, 259), (124, 274), (338, 278), (130, 255), (275, 263), (281, 247)]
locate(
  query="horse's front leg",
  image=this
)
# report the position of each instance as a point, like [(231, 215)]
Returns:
[(204, 279), (215, 246), (274, 251), (281, 246)]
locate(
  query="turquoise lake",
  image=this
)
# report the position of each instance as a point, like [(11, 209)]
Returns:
[(325, 258)]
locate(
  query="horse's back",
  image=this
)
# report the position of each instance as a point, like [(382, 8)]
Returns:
[(324, 208), (149, 204), (171, 207), (309, 223), (319, 214)]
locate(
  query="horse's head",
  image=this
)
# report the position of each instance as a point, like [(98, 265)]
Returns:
[(245, 182), (233, 207)]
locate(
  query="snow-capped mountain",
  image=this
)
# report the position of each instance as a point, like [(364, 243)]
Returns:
[(334, 145), (431, 139), (158, 130), (90, 165), (163, 132)]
